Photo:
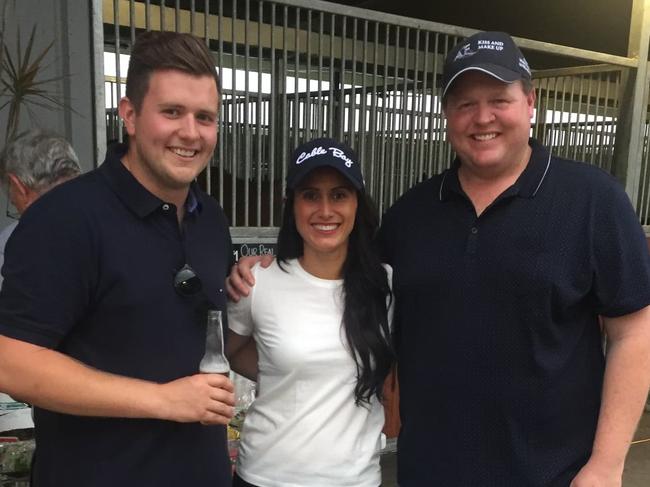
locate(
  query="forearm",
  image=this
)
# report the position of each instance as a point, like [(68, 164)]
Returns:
[(54, 381), (625, 388), (241, 351), (244, 362)]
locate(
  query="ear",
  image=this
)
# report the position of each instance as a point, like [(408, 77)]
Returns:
[(531, 98), (128, 115), (20, 195)]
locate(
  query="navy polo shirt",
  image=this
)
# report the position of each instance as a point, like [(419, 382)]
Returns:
[(89, 272), (499, 346)]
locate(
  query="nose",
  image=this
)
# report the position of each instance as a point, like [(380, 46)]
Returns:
[(484, 113), (188, 129), (326, 208)]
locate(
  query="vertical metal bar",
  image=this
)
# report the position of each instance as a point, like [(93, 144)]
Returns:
[(587, 130), (177, 16), (321, 121), (441, 131), (246, 109), (403, 119), (568, 131), (132, 20), (423, 106), (206, 38), (341, 98), (578, 113), (272, 127), (363, 130), (147, 15), (554, 130), (413, 163), (307, 115), (603, 139), (296, 106), (393, 147), (285, 125), (383, 124), (352, 116), (374, 135), (234, 156), (222, 132), (118, 74), (162, 15), (595, 138), (258, 115), (192, 15), (434, 110), (331, 103)]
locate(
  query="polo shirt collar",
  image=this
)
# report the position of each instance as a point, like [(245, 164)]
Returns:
[(526, 186), (129, 190)]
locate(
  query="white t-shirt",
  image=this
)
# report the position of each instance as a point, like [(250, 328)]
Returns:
[(304, 429)]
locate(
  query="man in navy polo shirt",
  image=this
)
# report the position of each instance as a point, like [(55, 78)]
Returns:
[(502, 266), (107, 278)]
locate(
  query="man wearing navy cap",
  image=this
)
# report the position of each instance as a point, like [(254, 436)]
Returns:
[(502, 266)]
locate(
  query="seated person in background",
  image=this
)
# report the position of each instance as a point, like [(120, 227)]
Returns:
[(319, 318)]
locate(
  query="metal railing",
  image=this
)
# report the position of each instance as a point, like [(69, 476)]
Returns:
[(295, 69)]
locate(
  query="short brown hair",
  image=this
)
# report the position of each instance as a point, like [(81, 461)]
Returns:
[(155, 51)]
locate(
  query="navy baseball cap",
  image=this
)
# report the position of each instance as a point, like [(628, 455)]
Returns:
[(320, 153), (493, 53)]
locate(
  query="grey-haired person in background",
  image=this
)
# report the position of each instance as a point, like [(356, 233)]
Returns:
[(31, 164)]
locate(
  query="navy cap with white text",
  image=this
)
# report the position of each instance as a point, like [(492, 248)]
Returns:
[(493, 53), (320, 153)]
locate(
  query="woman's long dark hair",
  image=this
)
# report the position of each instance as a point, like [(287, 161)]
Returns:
[(366, 291)]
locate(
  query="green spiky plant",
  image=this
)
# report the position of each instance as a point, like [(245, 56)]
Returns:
[(19, 78)]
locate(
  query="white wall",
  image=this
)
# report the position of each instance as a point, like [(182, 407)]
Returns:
[(69, 23)]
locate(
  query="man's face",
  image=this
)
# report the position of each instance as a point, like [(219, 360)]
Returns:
[(488, 122), (174, 133)]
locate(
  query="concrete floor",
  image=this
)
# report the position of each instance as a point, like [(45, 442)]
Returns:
[(637, 465)]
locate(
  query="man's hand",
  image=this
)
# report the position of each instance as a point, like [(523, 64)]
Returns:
[(595, 475), (241, 279), (205, 398)]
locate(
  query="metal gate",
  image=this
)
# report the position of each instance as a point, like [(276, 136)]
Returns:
[(295, 69)]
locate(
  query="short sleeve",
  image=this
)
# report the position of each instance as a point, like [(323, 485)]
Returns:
[(620, 257), (240, 314), (48, 271)]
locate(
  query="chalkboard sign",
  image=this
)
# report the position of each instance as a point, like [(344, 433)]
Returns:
[(248, 249)]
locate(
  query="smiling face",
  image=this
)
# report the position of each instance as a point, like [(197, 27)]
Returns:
[(488, 123), (325, 206), (174, 133)]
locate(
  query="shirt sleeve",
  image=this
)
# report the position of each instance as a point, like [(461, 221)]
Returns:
[(240, 314), (621, 260), (48, 273)]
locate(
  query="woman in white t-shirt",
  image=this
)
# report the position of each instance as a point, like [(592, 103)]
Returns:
[(318, 316)]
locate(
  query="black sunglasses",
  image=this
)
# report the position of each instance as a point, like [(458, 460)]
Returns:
[(186, 282)]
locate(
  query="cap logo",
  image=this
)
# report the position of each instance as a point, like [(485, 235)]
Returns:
[(319, 151), (464, 52), (341, 155), (524, 65), (492, 45), (316, 151)]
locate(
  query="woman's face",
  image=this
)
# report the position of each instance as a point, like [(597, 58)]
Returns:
[(325, 207)]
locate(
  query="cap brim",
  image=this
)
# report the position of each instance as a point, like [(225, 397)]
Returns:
[(499, 72), (300, 175)]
